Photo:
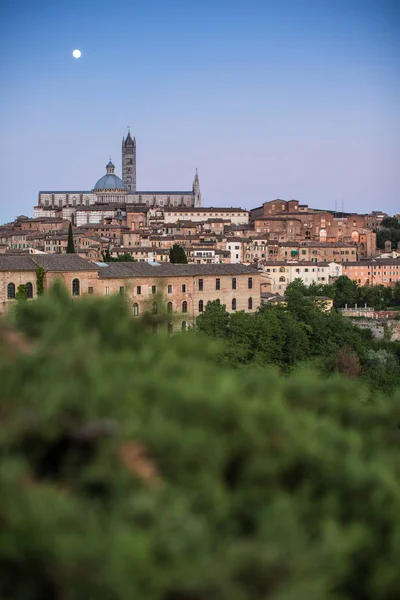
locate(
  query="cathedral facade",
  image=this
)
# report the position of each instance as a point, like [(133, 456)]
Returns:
[(110, 189)]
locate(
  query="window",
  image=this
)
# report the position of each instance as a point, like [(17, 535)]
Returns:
[(90, 290), (183, 287), (234, 283), (107, 291), (153, 289), (250, 303), (10, 291), (154, 308), (169, 307), (250, 283), (201, 305), (218, 301), (122, 290), (169, 289), (201, 285), (218, 284), (136, 309), (75, 287), (138, 290), (233, 303), (184, 306), (29, 290)]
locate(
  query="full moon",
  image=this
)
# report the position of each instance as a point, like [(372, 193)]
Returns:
[(77, 54)]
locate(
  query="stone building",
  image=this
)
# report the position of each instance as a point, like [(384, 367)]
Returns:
[(180, 291)]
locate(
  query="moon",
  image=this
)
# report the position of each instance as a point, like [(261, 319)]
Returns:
[(77, 54)]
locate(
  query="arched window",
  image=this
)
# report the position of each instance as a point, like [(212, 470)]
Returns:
[(184, 326), (75, 287), (355, 236), (282, 270), (136, 309), (233, 303), (184, 306), (29, 290), (154, 309), (250, 303), (322, 235), (169, 307), (169, 327), (281, 279), (201, 305), (218, 301), (10, 291)]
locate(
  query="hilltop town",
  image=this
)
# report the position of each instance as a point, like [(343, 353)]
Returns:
[(237, 256)]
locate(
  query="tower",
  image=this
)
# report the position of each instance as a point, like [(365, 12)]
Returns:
[(129, 162), (196, 191)]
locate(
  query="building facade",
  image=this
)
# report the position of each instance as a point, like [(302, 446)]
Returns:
[(110, 189)]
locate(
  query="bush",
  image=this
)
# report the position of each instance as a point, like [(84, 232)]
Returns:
[(135, 467)]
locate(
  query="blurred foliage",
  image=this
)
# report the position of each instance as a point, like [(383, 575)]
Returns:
[(134, 466)]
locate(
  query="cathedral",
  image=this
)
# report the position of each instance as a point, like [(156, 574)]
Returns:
[(110, 189)]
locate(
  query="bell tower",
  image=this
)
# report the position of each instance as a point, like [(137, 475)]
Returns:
[(129, 162)]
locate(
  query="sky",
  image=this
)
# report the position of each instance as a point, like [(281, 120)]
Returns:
[(267, 98)]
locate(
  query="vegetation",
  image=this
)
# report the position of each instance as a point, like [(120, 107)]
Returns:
[(177, 254), (389, 230), (21, 292), (123, 257), (70, 243), (200, 483), (39, 280), (347, 291), (300, 332)]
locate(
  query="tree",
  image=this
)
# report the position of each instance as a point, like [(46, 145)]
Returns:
[(70, 244), (204, 482), (345, 291), (177, 254), (21, 293), (347, 362), (214, 320), (39, 280)]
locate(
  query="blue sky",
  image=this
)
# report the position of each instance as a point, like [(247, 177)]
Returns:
[(268, 99)]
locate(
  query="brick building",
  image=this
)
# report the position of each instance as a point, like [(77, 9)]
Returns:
[(181, 291)]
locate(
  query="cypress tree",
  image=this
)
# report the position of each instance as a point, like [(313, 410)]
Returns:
[(177, 255), (70, 245)]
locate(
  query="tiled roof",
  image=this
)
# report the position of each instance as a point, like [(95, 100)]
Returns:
[(127, 270), (15, 262), (63, 262)]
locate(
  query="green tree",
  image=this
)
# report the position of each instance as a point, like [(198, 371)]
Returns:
[(70, 244), (39, 280), (214, 320), (21, 292), (345, 291), (177, 254), (202, 483)]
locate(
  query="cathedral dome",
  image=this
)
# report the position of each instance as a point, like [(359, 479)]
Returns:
[(110, 181)]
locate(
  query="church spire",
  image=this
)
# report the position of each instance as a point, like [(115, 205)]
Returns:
[(196, 190)]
